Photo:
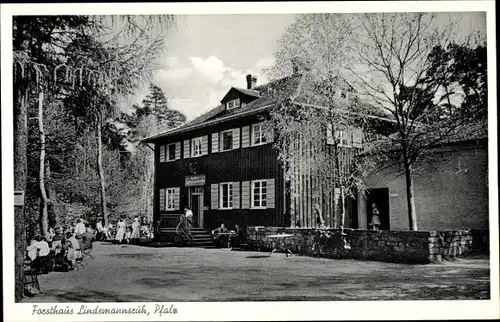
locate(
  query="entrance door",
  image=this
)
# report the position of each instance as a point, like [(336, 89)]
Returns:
[(196, 204), (381, 198)]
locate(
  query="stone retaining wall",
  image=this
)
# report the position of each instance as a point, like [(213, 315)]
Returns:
[(383, 245)]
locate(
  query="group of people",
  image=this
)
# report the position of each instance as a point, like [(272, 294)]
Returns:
[(225, 237), (124, 233), (60, 248)]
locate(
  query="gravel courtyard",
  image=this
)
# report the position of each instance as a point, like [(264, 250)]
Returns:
[(126, 273)]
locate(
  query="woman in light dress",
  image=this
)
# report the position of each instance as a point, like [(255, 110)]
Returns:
[(375, 223), (120, 230), (136, 231)]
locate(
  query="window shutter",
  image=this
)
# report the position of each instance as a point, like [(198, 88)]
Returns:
[(177, 150), (177, 198), (204, 145), (215, 142), (348, 137), (236, 195), (245, 195), (270, 194), (162, 199), (357, 138), (214, 196), (245, 136), (162, 153), (236, 138), (269, 132), (187, 149), (329, 134)]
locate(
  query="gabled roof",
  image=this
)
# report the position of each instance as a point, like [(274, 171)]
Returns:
[(266, 95), (264, 100), (249, 92)]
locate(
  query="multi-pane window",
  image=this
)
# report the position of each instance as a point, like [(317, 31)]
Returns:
[(170, 199), (344, 138), (259, 193), (227, 140), (258, 134), (226, 195), (171, 152), (196, 147), (233, 104)]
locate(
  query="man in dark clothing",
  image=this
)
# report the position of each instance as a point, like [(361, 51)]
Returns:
[(220, 236)]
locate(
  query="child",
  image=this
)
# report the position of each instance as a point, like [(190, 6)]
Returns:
[(128, 234)]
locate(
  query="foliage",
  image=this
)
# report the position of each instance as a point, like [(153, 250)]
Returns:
[(156, 103), (320, 103), (395, 68)]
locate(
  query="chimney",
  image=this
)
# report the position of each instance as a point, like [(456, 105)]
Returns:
[(251, 81)]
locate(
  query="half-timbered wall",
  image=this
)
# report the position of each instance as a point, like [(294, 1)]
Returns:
[(308, 187)]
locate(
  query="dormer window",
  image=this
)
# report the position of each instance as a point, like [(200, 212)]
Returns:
[(233, 104)]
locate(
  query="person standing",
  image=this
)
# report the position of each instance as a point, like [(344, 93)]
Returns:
[(136, 231), (74, 250), (188, 214), (100, 230), (80, 228), (120, 230), (375, 222)]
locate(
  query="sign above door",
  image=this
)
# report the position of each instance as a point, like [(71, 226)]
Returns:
[(197, 180)]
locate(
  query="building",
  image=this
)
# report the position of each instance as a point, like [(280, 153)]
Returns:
[(223, 165), (451, 193)]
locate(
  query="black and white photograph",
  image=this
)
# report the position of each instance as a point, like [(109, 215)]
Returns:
[(242, 161)]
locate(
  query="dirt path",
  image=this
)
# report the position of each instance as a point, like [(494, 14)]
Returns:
[(135, 274)]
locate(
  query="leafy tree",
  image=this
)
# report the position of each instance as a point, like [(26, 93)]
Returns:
[(462, 71), (397, 70), (49, 62), (318, 104), (395, 65)]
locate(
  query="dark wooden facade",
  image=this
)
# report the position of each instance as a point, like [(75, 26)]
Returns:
[(238, 165)]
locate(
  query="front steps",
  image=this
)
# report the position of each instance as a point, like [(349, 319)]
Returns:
[(200, 237)]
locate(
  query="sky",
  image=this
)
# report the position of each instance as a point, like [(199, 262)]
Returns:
[(204, 55), (207, 54)]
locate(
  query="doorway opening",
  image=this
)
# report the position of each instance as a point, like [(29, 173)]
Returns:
[(196, 205), (380, 197)]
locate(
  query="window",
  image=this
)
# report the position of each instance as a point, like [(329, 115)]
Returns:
[(258, 135), (171, 152), (170, 200), (196, 147), (226, 195), (259, 193), (227, 140), (233, 104), (344, 138)]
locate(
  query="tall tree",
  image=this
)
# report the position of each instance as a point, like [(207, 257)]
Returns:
[(40, 43), (156, 103), (313, 117), (398, 70), (394, 61)]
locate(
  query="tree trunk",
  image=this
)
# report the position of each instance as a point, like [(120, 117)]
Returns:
[(44, 214), (412, 215), (54, 216), (20, 176), (342, 208), (102, 178)]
